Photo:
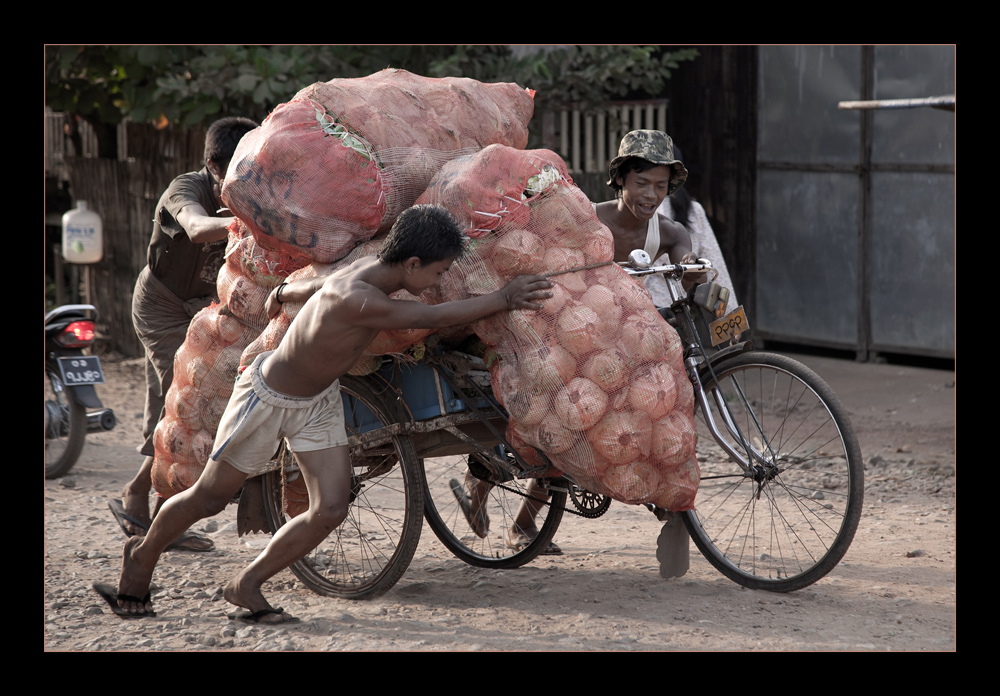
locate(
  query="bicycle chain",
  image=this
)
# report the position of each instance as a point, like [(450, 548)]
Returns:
[(581, 512), (479, 470)]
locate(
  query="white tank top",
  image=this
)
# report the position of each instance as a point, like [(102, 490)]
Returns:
[(652, 246)]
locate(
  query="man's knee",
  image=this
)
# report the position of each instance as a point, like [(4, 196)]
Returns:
[(330, 514)]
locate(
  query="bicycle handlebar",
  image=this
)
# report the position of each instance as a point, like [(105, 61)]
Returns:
[(640, 264)]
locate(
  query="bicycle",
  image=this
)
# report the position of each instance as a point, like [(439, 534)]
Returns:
[(777, 510), (778, 506)]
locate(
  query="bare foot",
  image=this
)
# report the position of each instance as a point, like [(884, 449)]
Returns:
[(250, 598), (133, 584)]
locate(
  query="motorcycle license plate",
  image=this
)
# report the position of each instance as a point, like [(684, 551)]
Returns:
[(728, 326), (81, 369)]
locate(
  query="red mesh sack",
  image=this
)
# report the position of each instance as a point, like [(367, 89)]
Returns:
[(205, 368), (340, 160), (595, 379), (249, 274)]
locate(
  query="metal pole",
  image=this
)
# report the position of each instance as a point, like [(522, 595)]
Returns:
[(947, 103)]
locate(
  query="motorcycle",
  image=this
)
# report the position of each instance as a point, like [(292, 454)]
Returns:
[(72, 407)]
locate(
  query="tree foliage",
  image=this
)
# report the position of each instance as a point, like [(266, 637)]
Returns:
[(194, 85)]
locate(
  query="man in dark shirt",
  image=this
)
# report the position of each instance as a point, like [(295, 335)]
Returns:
[(185, 254)]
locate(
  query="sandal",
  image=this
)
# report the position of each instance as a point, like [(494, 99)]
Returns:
[(519, 541), (478, 521)]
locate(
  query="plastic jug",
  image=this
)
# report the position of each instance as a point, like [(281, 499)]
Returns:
[(82, 235)]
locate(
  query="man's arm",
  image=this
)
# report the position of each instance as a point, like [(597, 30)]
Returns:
[(202, 227), (296, 291), (375, 310), (677, 243)]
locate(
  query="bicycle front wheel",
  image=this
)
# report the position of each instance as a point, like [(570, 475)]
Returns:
[(787, 519), (372, 548)]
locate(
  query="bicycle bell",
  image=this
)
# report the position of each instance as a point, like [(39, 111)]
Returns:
[(639, 259)]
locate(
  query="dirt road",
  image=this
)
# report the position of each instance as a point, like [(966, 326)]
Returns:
[(894, 591)]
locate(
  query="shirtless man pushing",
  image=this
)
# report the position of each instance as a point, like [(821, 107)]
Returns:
[(293, 393)]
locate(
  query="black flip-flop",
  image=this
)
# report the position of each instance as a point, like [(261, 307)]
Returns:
[(118, 510), (256, 616), (111, 596)]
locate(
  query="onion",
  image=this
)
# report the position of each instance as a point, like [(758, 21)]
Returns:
[(201, 447), (685, 392), (183, 475), (631, 292), (644, 340), (578, 329), (469, 279), (600, 246), (522, 397), (181, 403), (608, 369), (161, 475), (524, 449), (678, 490), (580, 404), (552, 438), (518, 251), (528, 408), (202, 330), (560, 296), (546, 367), (558, 258), (212, 409), (631, 483), (551, 214), (228, 329), (602, 301), (196, 368), (673, 440), (622, 436), (527, 325), (654, 391), (172, 438)]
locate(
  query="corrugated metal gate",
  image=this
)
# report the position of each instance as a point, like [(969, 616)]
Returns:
[(856, 208)]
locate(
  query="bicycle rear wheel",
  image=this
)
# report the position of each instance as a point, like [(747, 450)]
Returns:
[(790, 519), (369, 552), (445, 516)]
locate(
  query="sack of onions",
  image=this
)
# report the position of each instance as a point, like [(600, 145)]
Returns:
[(594, 380)]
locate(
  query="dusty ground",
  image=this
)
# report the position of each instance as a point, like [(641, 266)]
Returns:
[(895, 590)]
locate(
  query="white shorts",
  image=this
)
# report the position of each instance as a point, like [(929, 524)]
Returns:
[(258, 417)]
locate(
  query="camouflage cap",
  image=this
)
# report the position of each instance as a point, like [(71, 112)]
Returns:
[(651, 145)]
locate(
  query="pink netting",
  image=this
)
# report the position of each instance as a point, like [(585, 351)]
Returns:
[(323, 174), (341, 160), (206, 365), (595, 379)]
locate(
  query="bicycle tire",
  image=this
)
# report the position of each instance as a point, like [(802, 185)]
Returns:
[(446, 519), (794, 524), (64, 441), (372, 548)]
